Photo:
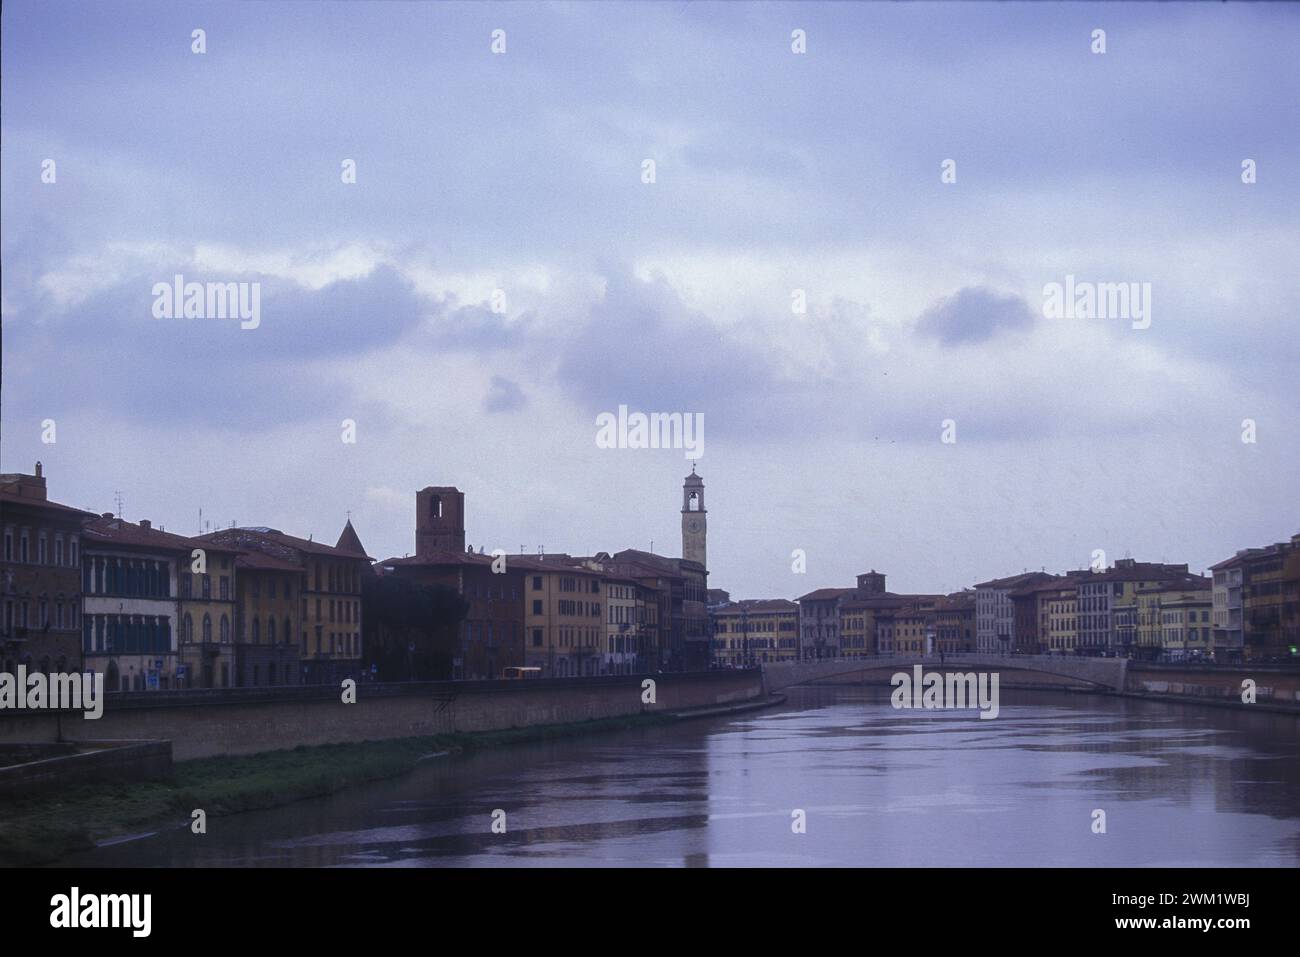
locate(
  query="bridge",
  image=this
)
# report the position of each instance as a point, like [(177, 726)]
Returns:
[(1105, 673)]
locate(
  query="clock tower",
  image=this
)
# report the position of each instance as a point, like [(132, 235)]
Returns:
[(694, 519)]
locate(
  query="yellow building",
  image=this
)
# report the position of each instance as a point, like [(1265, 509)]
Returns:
[(207, 617), (857, 628), (649, 633), (1059, 610), (266, 620), (621, 626), (1154, 628), (326, 624), (755, 631), (913, 631), (564, 623), (1186, 631)]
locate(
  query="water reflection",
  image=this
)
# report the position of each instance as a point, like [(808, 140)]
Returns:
[(1180, 785)]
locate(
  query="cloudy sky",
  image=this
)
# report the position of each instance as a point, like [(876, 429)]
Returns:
[(775, 172)]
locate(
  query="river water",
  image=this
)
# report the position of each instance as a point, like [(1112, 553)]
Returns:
[(1179, 785)]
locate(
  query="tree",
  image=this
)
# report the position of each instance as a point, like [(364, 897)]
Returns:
[(411, 629)]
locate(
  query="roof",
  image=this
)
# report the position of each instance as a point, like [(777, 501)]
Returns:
[(1188, 583), (957, 601), (1054, 583), (349, 541), (1014, 581), (631, 558), (826, 594), (260, 561), (123, 534), (443, 557), (27, 501), (757, 606), (1253, 554), (273, 541), (1127, 570)]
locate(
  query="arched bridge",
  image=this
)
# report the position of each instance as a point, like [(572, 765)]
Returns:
[(1107, 673)]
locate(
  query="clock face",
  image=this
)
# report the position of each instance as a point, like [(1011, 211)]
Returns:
[(694, 525)]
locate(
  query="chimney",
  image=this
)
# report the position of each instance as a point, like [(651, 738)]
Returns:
[(38, 469), (144, 523), (106, 515)]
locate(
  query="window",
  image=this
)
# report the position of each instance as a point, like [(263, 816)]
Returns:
[(537, 583), (537, 607), (537, 637)]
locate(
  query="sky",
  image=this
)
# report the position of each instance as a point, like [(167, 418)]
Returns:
[(774, 172)]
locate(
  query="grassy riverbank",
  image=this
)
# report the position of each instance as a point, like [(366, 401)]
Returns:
[(44, 827)]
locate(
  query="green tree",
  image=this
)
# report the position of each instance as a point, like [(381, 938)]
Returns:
[(411, 629)]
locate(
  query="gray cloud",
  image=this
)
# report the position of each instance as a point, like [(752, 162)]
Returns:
[(974, 314), (642, 346), (503, 396)]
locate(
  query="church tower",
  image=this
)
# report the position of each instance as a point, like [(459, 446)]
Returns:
[(694, 520), (439, 520)]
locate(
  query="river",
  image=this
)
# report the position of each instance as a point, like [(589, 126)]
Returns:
[(1179, 785)]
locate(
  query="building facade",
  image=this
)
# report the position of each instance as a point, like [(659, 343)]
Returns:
[(492, 634), (130, 613), (327, 620), (40, 578), (755, 631), (207, 617), (995, 613), (1256, 604)]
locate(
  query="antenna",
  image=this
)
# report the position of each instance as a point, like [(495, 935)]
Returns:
[(118, 492)]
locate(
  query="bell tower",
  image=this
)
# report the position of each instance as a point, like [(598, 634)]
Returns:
[(439, 520), (694, 520)]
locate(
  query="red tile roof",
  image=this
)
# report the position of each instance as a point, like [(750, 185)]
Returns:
[(121, 533), (10, 498)]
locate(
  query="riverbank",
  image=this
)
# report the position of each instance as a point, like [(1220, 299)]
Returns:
[(41, 829), (1168, 697)]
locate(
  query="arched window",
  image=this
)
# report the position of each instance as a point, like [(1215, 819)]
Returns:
[(225, 629), (187, 629), (207, 628), (257, 630), (270, 630), (288, 631)]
